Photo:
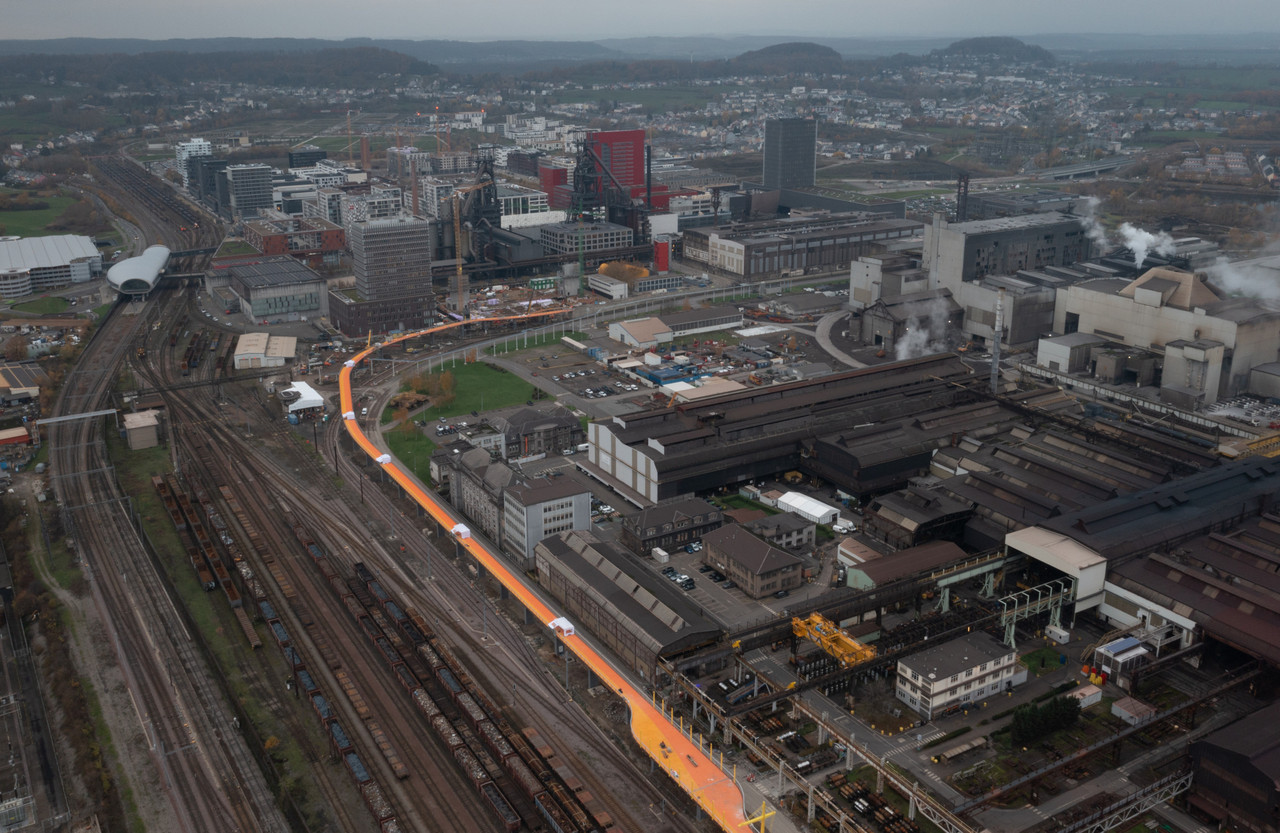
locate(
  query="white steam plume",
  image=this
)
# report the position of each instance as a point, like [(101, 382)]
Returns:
[(1142, 242), (1249, 281), (1092, 228), (926, 331)]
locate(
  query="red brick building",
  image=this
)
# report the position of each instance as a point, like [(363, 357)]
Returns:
[(306, 238)]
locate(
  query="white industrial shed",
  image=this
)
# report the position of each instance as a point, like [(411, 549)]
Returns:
[(808, 508), (255, 350)]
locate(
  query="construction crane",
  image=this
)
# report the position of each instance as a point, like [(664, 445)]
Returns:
[(821, 631), (459, 279)]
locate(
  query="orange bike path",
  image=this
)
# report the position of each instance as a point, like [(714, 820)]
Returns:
[(682, 758)]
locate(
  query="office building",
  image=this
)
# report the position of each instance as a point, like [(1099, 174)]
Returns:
[(755, 565), (669, 525), (306, 156), (570, 238), (942, 679), (790, 153), (392, 257), (383, 201), (622, 154), (535, 509), (312, 239), (186, 153), (248, 190), (516, 199), (206, 173)]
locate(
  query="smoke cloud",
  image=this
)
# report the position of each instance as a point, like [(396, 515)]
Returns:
[(1142, 242), (926, 331), (1249, 281), (1092, 228)]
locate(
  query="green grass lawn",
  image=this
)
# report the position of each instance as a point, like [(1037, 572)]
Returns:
[(477, 387), (413, 449), (231, 248), (660, 99), (1032, 661), (1157, 138), (517, 344), (740, 502), (48, 305), (32, 223)]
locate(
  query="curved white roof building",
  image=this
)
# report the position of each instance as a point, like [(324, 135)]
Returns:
[(138, 275)]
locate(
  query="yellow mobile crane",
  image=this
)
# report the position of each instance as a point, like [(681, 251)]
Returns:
[(823, 632)]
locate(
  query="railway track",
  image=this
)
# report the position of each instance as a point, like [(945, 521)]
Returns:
[(215, 452), (496, 648), (271, 497), (205, 772), (163, 215)]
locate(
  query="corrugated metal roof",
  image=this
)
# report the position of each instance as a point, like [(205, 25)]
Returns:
[(46, 252)]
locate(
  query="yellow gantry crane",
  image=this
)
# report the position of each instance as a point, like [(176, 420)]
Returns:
[(821, 631)]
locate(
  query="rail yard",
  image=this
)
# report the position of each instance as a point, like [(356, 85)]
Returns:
[(374, 666)]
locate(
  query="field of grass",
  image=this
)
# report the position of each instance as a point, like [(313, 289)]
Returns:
[(1033, 659), (32, 223), (48, 305), (477, 387), (1159, 138), (413, 449), (517, 344), (740, 502), (660, 99), (231, 248), (337, 145)]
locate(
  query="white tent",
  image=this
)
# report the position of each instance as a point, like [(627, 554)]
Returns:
[(307, 399), (808, 508)]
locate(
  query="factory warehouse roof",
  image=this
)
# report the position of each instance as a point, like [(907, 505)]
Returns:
[(46, 252)]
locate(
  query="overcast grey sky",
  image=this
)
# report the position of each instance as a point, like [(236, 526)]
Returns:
[(582, 20)]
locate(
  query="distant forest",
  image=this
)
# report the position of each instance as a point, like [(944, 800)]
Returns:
[(358, 67)]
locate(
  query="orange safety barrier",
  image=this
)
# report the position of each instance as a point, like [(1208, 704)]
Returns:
[(684, 759)]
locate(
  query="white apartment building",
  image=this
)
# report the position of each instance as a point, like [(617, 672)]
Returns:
[(189, 150), (942, 679)]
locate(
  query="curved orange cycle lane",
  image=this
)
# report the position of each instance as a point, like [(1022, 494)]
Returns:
[(684, 759)]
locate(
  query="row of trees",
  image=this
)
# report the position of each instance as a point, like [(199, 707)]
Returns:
[(1032, 722)]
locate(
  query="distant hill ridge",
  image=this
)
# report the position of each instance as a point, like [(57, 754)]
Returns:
[(1008, 49)]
